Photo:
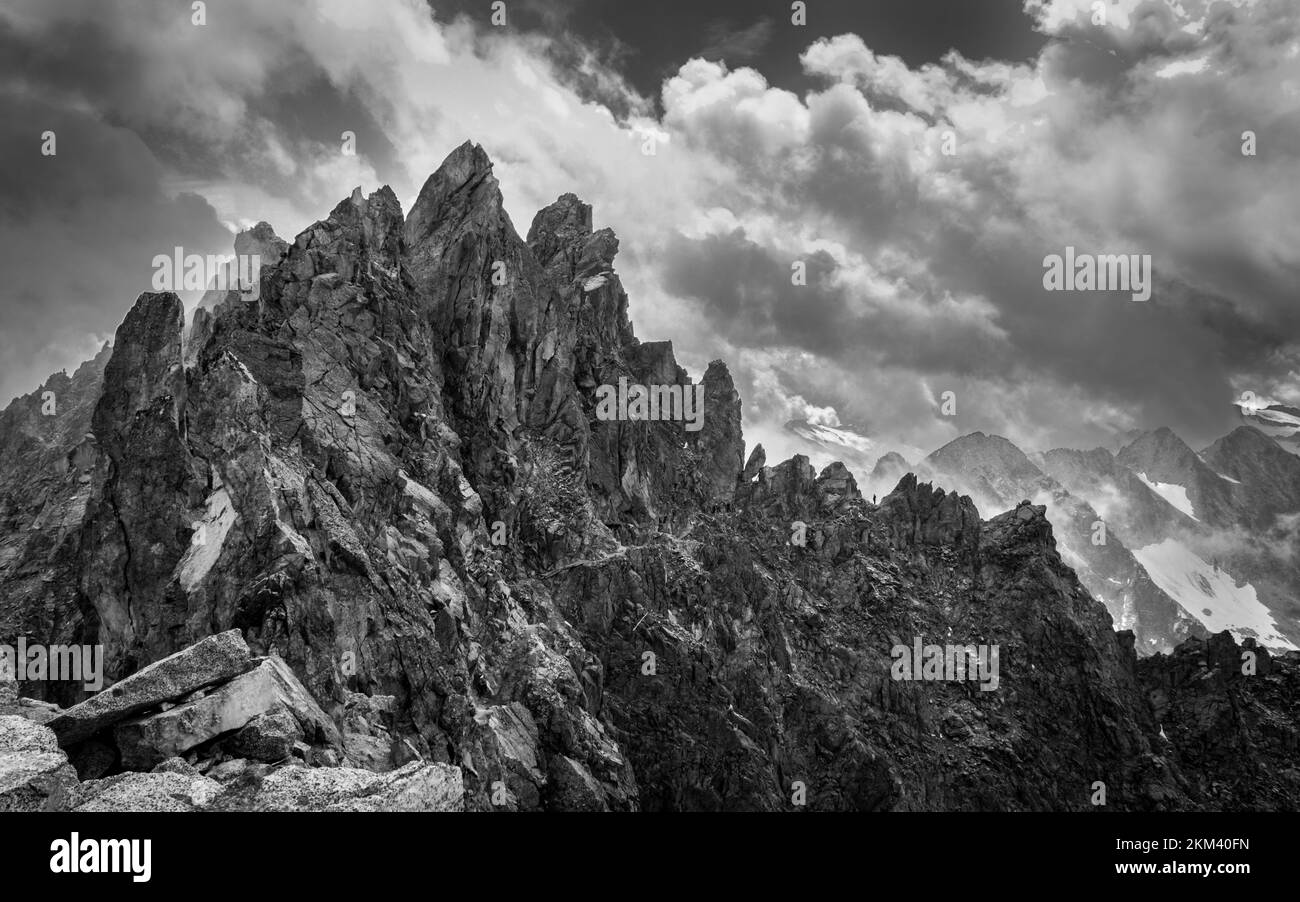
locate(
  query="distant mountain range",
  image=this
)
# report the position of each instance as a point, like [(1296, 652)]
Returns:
[(1175, 543), (845, 443)]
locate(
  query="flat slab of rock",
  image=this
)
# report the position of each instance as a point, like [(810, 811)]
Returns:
[(270, 688), (212, 660), (164, 791), (34, 772), (416, 786)]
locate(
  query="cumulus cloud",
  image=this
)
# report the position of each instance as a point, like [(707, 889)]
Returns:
[(1102, 142), (243, 118), (77, 235), (920, 200)]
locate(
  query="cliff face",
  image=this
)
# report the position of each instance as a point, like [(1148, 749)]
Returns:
[(47, 455), (390, 470)]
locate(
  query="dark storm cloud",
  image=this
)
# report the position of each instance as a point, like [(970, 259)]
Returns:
[(924, 268), (138, 115), (1131, 143), (208, 129), (736, 45), (747, 293), (647, 42), (79, 233)]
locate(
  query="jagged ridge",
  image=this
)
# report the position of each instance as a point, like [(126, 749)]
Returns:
[(388, 471)]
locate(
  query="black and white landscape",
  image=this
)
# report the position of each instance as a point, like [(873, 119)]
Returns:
[(574, 406)]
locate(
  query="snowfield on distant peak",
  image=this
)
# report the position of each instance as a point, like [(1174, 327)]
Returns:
[(1173, 493), (1211, 596)]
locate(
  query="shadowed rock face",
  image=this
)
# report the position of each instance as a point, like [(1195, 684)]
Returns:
[(47, 455), (998, 474), (1267, 477), (1161, 456), (919, 514), (1217, 702), (388, 471)]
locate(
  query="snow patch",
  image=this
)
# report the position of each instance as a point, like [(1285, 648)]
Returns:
[(208, 539), (594, 282), (830, 436), (1211, 596), (1173, 493)]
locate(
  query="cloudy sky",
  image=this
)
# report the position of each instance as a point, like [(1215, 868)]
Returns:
[(920, 157)]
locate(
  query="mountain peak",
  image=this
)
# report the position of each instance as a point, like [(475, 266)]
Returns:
[(567, 214), (566, 223), (261, 240), (891, 459), (1246, 437), (1162, 434), (978, 446), (468, 159), (1266, 475), (463, 184), (1159, 448)]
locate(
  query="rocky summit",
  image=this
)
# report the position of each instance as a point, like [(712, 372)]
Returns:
[(359, 541)]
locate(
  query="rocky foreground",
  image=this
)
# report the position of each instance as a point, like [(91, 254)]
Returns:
[(209, 728), (363, 543)]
